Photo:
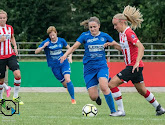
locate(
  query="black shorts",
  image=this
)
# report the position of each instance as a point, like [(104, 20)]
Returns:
[(126, 75), (11, 62)]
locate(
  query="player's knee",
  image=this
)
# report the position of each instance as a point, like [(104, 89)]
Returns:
[(67, 80), (105, 90), (64, 85), (142, 92), (93, 97), (17, 74), (1, 81)]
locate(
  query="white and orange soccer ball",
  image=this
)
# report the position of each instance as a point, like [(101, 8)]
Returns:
[(89, 110)]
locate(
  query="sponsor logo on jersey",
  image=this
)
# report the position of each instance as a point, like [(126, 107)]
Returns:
[(132, 36), (55, 52), (102, 39), (92, 40), (119, 74), (95, 48), (52, 47)]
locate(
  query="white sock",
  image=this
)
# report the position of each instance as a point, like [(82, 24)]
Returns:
[(1, 91), (5, 86), (151, 99), (16, 86), (118, 98), (16, 91)]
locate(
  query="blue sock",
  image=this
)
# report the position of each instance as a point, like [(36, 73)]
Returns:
[(110, 102), (70, 88)]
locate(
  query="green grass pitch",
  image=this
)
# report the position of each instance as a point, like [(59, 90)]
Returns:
[(56, 109)]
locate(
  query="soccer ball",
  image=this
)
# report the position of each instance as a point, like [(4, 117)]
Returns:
[(89, 110)]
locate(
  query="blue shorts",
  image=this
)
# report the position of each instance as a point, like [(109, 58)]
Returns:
[(60, 71), (92, 79)]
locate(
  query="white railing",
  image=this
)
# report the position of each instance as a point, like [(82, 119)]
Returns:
[(152, 51)]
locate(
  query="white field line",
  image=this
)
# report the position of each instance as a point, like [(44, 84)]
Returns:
[(82, 89), (97, 117)]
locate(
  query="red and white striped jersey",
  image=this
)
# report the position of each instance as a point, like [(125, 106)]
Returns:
[(128, 40), (6, 50)]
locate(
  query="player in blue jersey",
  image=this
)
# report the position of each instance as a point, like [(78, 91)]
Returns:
[(53, 50), (95, 65)]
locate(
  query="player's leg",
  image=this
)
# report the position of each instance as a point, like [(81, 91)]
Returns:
[(103, 82), (140, 86), (1, 88), (3, 63), (93, 92), (65, 69), (103, 76), (113, 84), (149, 97), (92, 87), (7, 88), (17, 82), (70, 87), (14, 66)]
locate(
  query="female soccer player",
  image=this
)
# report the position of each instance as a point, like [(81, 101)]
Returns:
[(8, 56), (133, 51), (95, 65), (53, 50)]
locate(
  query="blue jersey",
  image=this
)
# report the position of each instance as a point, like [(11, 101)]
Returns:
[(94, 50), (54, 51)]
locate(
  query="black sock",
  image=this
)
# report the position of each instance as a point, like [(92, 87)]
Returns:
[(98, 100)]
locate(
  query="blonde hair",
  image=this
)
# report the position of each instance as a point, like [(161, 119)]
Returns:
[(131, 15), (50, 29), (3, 12), (91, 19)]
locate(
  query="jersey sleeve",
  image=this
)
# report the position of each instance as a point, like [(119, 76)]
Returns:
[(64, 42), (131, 37), (43, 42), (12, 30), (109, 38), (81, 38)]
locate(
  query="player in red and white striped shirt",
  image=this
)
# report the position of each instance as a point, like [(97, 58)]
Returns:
[(133, 52), (8, 56)]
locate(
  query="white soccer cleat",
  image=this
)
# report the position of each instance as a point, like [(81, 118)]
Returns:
[(118, 113)]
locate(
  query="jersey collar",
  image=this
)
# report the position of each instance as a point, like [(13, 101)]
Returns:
[(55, 41), (125, 29), (96, 35)]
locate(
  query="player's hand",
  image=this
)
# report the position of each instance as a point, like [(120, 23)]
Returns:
[(16, 51), (108, 44), (136, 66), (62, 58), (70, 58), (46, 44), (3, 38)]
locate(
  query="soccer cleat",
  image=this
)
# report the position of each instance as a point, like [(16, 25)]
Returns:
[(18, 100), (8, 91), (118, 113), (160, 110), (98, 101), (73, 101)]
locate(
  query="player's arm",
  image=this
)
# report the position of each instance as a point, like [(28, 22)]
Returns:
[(69, 51), (39, 49), (13, 41), (114, 44), (70, 55), (140, 55)]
